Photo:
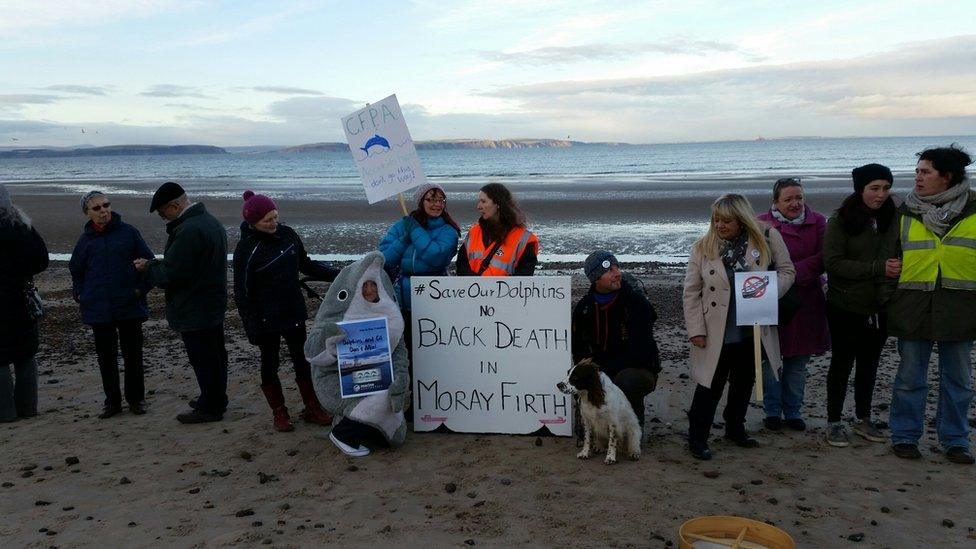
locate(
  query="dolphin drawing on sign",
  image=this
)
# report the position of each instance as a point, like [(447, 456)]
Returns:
[(373, 141)]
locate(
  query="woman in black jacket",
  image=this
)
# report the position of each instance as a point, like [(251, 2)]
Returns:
[(269, 298), (23, 254), (112, 296)]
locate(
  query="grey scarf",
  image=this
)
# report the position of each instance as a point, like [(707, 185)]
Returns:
[(938, 210), (783, 219)]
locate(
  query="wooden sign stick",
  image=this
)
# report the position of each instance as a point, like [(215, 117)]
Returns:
[(757, 351), (403, 204)]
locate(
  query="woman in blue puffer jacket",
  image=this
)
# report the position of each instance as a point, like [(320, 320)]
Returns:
[(422, 243), (112, 296)]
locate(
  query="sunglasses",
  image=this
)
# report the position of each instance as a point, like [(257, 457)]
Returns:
[(99, 207), (787, 182), (435, 200)]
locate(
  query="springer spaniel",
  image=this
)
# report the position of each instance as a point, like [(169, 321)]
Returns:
[(607, 416)]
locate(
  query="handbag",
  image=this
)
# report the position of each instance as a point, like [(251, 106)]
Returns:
[(35, 307), (790, 303)]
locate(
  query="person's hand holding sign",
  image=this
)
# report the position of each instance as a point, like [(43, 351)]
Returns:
[(698, 341)]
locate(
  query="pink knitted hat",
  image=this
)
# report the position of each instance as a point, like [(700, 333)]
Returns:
[(256, 206)]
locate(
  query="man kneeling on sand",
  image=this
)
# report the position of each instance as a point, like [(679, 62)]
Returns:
[(613, 324)]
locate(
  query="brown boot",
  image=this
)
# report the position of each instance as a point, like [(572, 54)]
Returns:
[(313, 412), (276, 400)]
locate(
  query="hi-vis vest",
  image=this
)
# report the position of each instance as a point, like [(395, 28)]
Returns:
[(506, 257), (925, 255)]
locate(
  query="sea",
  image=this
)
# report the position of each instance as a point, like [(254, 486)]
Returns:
[(578, 173)]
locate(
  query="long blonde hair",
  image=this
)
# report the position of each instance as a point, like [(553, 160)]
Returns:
[(734, 206)]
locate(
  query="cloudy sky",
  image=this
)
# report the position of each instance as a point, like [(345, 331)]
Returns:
[(105, 72)]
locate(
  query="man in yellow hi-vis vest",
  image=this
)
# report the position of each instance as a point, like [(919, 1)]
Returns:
[(935, 303)]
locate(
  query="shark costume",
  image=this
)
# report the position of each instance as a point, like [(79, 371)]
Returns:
[(344, 301)]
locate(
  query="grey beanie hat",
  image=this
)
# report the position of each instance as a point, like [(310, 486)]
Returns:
[(5, 197), (419, 192), (88, 196), (598, 263)]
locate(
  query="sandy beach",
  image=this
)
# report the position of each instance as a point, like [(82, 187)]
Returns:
[(71, 480)]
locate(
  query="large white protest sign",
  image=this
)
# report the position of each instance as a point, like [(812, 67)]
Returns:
[(756, 298), (384, 153), (488, 352)]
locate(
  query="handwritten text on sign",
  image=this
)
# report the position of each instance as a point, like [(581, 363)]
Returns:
[(384, 153), (488, 352)]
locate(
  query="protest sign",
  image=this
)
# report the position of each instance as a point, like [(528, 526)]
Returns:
[(756, 298), (382, 149), (363, 356), (488, 352)]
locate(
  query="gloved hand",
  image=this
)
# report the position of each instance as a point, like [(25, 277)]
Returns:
[(398, 401)]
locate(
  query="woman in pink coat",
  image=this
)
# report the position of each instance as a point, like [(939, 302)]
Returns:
[(722, 351), (806, 334)]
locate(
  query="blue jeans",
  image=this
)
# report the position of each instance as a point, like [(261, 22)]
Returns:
[(785, 395), (910, 391)]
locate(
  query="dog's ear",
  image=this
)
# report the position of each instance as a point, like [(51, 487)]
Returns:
[(595, 394)]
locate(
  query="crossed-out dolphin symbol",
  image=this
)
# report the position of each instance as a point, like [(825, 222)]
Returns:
[(373, 141)]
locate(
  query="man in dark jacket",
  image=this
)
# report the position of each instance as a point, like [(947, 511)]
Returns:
[(614, 325), (193, 273)]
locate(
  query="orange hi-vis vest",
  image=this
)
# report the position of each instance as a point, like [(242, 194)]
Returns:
[(506, 256)]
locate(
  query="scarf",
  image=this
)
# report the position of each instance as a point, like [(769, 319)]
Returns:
[(782, 218), (733, 252), (938, 210)]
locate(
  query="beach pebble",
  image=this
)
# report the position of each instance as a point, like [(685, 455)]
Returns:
[(885, 510), (51, 533), (245, 455), (264, 478), (89, 518), (352, 468), (772, 501), (257, 523), (450, 487), (712, 474), (756, 482), (244, 513), (856, 537), (41, 503), (132, 524), (193, 491), (72, 460), (874, 523), (266, 541), (683, 376), (7, 484), (208, 505), (469, 542), (292, 453), (48, 468), (948, 523), (125, 480), (319, 525), (736, 486), (284, 506), (27, 474), (506, 481), (68, 508)]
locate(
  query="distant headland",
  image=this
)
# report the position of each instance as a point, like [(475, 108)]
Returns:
[(154, 150)]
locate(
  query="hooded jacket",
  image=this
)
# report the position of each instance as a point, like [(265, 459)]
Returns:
[(418, 251), (23, 254)]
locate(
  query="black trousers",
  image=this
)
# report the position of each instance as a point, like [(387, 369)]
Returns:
[(855, 338), (357, 434), (636, 383), (108, 339), (270, 346), (208, 357), (735, 365)]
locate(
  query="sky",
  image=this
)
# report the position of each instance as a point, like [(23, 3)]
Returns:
[(107, 72)]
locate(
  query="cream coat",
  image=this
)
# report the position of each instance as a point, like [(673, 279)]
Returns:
[(706, 305)]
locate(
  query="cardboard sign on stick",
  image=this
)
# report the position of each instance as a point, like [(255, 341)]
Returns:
[(382, 149), (756, 304), (488, 352)]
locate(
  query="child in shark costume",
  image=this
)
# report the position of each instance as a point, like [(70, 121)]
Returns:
[(376, 414)]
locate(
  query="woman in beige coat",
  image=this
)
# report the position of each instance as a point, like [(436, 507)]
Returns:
[(722, 351)]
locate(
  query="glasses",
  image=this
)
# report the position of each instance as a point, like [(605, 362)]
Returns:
[(786, 182), (98, 208), (435, 200)]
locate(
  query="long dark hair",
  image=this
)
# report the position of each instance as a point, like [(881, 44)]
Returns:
[(420, 214), (855, 215), (509, 214)]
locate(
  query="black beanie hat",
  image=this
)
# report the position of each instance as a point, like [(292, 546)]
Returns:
[(868, 173), (598, 263)]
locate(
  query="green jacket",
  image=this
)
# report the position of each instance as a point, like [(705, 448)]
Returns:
[(937, 315), (193, 271), (855, 267)]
